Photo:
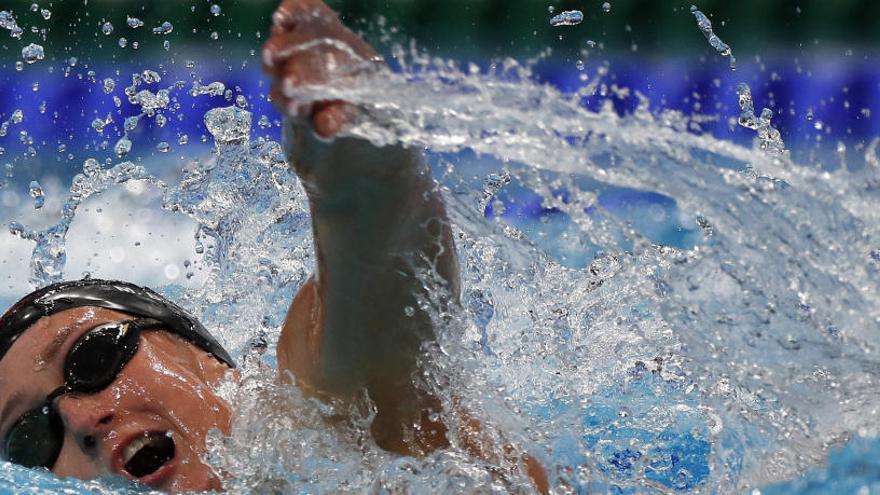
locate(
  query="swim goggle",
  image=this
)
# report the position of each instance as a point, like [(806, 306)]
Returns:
[(93, 363)]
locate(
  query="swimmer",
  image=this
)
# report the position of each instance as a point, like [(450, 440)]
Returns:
[(102, 378)]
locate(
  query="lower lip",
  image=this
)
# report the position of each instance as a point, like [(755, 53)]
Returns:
[(159, 476)]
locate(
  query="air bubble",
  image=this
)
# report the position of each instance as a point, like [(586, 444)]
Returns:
[(215, 10), (107, 28), (123, 42), (134, 22), (109, 85), (46, 13), (163, 147), (606, 7)]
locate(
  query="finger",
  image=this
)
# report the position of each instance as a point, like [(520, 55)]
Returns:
[(291, 12), (330, 117)]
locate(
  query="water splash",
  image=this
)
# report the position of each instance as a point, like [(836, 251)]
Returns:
[(735, 356), (50, 253), (705, 26), (769, 137)]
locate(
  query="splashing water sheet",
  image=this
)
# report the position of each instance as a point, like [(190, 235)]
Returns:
[(732, 355)]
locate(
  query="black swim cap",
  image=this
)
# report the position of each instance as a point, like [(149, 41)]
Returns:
[(108, 294)]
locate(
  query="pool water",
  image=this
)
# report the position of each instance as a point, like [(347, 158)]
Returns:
[(647, 307)]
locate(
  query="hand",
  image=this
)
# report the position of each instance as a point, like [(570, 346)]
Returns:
[(309, 45)]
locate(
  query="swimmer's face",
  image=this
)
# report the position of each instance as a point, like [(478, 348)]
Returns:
[(165, 390)]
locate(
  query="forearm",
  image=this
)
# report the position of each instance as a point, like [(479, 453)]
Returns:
[(382, 241)]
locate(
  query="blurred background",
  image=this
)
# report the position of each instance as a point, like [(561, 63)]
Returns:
[(814, 63)]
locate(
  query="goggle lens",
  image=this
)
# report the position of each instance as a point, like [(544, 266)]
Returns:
[(36, 438), (98, 356)]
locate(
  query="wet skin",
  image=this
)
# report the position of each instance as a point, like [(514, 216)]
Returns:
[(166, 387)]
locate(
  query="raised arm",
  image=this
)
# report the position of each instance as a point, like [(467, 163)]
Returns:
[(385, 256)]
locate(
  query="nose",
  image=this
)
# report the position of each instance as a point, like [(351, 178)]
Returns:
[(86, 418)]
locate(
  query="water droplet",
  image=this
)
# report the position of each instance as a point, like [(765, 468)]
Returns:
[(91, 167), (109, 85), (215, 10), (579, 64), (409, 311), (123, 42), (46, 13), (107, 29), (241, 101), (183, 139), (705, 26), (214, 35), (166, 45), (551, 9), (163, 147), (98, 125), (591, 44), (134, 22), (810, 116), (32, 53), (165, 28), (214, 89), (123, 147), (17, 116), (228, 124), (606, 7), (36, 192), (567, 18), (131, 123), (150, 76)]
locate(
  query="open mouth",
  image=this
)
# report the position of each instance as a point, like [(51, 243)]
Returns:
[(145, 455)]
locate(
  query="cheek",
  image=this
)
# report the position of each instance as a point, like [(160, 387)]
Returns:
[(161, 384), (73, 464)]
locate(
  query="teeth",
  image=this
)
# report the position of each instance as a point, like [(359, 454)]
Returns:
[(133, 448)]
